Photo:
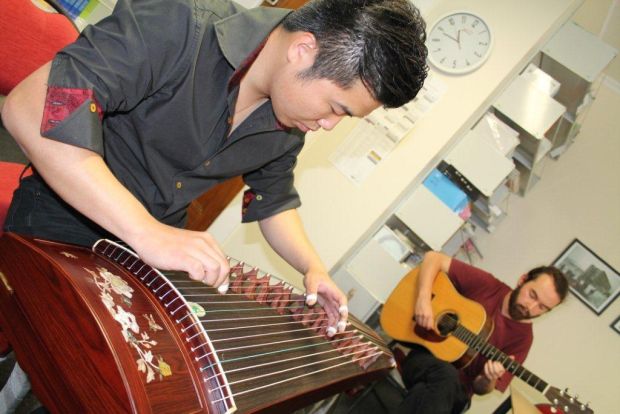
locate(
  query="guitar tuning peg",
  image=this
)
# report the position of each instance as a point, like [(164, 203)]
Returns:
[(565, 391)]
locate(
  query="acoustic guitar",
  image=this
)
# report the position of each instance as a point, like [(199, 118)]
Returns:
[(461, 332)]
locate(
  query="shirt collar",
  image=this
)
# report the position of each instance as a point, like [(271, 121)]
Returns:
[(240, 34)]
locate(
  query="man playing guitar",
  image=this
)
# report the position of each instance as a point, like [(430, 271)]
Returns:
[(437, 386)]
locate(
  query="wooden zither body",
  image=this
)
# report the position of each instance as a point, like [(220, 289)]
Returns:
[(100, 331)]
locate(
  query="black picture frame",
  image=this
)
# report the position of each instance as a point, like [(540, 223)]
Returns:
[(592, 280), (615, 325)]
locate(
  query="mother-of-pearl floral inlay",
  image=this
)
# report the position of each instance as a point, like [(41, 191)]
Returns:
[(112, 286)]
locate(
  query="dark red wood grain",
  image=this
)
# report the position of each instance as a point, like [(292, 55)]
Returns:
[(77, 359)]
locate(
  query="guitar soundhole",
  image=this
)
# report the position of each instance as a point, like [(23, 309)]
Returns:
[(447, 322)]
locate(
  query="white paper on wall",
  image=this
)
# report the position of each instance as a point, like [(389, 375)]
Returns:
[(377, 134)]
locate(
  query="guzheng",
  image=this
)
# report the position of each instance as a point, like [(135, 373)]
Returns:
[(100, 331)]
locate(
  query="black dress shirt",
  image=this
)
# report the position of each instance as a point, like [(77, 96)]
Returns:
[(148, 89)]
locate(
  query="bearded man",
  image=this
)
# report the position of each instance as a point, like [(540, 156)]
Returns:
[(436, 386)]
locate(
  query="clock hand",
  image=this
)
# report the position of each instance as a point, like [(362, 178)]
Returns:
[(458, 38), (453, 38)]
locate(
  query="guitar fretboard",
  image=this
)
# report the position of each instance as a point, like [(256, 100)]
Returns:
[(480, 345)]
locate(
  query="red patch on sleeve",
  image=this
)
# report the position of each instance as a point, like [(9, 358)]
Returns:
[(248, 197), (62, 102)]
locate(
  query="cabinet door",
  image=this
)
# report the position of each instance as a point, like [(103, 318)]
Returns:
[(429, 218), (361, 303), (375, 269)]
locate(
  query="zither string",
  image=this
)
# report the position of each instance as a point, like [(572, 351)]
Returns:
[(211, 298)]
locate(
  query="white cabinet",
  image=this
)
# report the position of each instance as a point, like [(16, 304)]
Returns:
[(361, 303), (536, 116), (483, 164), (575, 58), (377, 270), (429, 218)]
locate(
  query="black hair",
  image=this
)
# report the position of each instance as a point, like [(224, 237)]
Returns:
[(559, 279), (380, 42)]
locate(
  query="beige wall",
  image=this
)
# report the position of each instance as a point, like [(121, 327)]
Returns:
[(577, 197)]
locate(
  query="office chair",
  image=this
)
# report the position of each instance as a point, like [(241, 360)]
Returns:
[(31, 36)]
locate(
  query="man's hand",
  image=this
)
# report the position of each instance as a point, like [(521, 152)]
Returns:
[(493, 370), (286, 235), (433, 263), (321, 287), (197, 253), (485, 382), (424, 313)]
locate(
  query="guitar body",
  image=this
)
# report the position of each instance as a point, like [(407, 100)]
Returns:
[(460, 333), (397, 318)]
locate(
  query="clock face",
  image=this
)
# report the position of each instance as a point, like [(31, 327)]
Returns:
[(459, 43)]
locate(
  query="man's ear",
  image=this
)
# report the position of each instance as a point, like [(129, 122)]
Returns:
[(302, 49), (522, 279)]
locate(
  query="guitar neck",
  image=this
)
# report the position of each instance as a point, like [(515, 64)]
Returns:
[(489, 351)]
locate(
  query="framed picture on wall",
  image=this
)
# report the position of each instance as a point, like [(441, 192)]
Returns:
[(615, 325), (591, 279)]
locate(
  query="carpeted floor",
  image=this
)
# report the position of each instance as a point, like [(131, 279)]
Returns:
[(30, 404)]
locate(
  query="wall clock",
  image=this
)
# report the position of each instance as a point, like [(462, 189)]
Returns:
[(459, 42)]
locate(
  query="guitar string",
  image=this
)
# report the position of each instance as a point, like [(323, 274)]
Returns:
[(497, 355)]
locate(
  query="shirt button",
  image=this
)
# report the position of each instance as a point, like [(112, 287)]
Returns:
[(179, 185), (207, 163), (229, 120), (259, 197)]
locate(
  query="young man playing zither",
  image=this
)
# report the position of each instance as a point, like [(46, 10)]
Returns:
[(157, 103)]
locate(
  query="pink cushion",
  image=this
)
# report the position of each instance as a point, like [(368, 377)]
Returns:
[(30, 37), (9, 181)]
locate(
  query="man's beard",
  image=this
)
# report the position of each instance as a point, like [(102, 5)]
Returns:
[(516, 311)]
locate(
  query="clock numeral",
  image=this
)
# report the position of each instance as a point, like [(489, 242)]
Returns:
[(451, 20), (475, 23), (437, 50), (467, 62), (478, 54), (443, 59), (435, 39), (463, 19), (483, 43), (454, 63)]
